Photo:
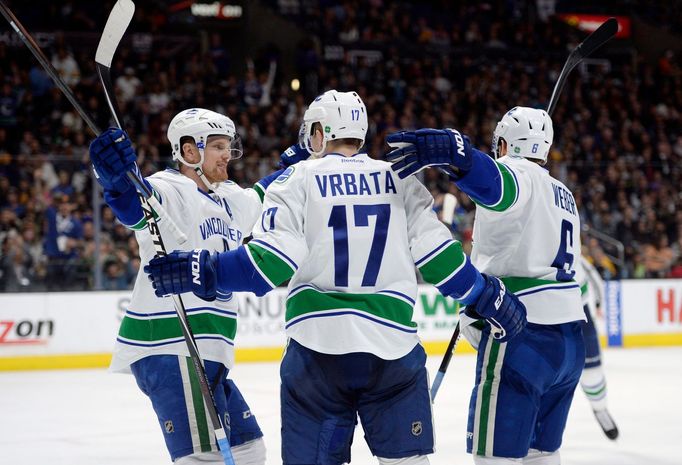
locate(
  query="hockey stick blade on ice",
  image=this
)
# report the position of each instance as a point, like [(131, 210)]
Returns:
[(599, 37), (449, 352), (117, 23)]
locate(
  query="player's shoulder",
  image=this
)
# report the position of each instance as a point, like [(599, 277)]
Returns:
[(228, 187), (171, 177)]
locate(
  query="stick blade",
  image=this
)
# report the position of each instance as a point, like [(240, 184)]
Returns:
[(599, 37), (119, 19)]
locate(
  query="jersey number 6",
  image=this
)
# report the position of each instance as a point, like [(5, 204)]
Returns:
[(564, 259), (338, 221)]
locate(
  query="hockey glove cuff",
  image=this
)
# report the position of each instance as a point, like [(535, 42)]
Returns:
[(505, 313), (180, 272)]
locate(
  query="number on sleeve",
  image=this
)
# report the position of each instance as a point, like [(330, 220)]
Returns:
[(563, 261), (268, 214)]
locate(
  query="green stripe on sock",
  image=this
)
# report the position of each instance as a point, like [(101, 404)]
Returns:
[(485, 401), (276, 269), (443, 264), (510, 191), (595, 393), (380, 305), (199, 410)]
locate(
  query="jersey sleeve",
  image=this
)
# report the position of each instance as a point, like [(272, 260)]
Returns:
[(493, 185), (278, 245), (128, 209), (439, 258), (594, 280)]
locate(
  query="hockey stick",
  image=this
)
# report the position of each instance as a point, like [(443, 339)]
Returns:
[(117, 23), (31, 44), (599, 37), (449, 352)]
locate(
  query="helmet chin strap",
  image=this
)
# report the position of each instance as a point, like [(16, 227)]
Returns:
[(209, 185)]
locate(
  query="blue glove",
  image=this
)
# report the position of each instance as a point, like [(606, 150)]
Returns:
[(293, 155), (180, 272), (442, 148), (503, 310), (112, 156)]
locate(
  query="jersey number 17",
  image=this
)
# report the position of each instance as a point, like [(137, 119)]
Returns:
[(338, 221)]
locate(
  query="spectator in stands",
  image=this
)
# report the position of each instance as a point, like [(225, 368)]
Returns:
[(62, 234)]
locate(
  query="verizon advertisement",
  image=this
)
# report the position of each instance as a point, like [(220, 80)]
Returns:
[(87, 323)]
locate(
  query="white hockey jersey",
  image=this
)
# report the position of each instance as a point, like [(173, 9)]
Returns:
[(217, 222), (531, 239), (348, 232)]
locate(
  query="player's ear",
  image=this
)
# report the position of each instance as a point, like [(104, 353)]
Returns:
[(190, 152)]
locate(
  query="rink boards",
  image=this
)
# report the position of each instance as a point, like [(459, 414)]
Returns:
[(77, 330)]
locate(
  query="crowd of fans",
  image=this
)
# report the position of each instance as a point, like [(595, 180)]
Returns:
[(617, 144)]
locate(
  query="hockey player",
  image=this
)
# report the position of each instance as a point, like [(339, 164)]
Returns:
[(215, 214), (527, 231), (348, 233), (593, 380)]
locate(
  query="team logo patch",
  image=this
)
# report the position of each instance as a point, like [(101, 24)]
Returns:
[(285, 175), (246, 414), (327, 129), (416, 428), (517, 149), (168, 426)]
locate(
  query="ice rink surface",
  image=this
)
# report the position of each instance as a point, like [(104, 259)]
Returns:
[(80, 417)]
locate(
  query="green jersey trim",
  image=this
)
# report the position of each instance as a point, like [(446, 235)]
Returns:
[(273, 268), (441, 266), (307, 302), (527, 285), (140, 225), (260, 191), (164, 328), (510, 190)]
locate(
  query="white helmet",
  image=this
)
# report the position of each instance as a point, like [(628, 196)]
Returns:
[(199, 124), (342, 115), (527, 131)]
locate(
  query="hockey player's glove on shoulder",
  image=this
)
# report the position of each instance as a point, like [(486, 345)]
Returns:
[(446, 149), (503, 310), (112, 155), (180, 272)]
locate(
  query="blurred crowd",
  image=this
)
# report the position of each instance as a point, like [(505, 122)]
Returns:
[(617, 144)]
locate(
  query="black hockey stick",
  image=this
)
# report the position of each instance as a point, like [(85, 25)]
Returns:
[(31, 44), (117, 23), (449, 352), (599, 37)]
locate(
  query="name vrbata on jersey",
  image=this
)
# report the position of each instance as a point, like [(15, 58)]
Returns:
[(378, 182)]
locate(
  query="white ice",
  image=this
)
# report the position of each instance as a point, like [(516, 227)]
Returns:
[(80, 417)]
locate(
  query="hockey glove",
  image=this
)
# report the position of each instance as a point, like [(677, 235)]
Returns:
[(293, 155), (442, 148), (112, 156), (503, 310), (180, 272)]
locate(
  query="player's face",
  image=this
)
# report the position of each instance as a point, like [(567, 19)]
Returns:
[(216, 157)]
